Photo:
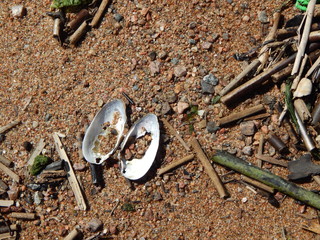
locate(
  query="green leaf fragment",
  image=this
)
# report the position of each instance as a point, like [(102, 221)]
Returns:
[(40, 162), (128, 207), (289, 104), (68, 3)]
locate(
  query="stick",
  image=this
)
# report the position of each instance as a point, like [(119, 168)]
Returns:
[(313, 67), (209, 169), (304, 37), (8, 236), (8, 126), (3, 186), (71, 175), (274, 181), (302, 109), (236, 116), (5, 229), (257, 184), (260, 150), (272, 160), (76, 36), (81, 16), (99, 13), (73, 234), (312, 227), (5, 161), (258, 80), (258, 116), (282, 74), (175, 164), (6, 203), (10, 173), (37, 151), (298, 77), (20, 215), (316, 179), (174, 132)]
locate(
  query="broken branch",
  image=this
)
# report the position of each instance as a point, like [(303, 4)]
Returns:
[(175, 164)]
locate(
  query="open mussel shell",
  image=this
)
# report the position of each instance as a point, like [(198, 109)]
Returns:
[(106, 128), (136, 168)]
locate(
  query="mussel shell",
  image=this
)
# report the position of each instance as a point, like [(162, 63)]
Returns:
[(106, 114), (136, 168)]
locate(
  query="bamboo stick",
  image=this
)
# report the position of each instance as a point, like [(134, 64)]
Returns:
[(209, 169), (10, 173), (236, 116), (175, 164), (174, 132), (99, 13), (272, 160), (71, 175), (304, 37), (8, 126), (274, 181), (257, 184)]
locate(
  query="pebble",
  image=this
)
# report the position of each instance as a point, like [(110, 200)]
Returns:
[(18, 11), (206, 45), (153, 55), (163, 55), (13, 193), (244, 200), (247, 128), (171, 97), (208, 83), (165, 108), (201, 125), (212, 127), (48, 117), (27, 146), (225, 36), (100, 103), (37, 198), (180, 71), (174, 61), (79, 166), (154, 67), (247, 150), (113, 229), (94, 225), (192, 25), (246, 18), (118, 17), (182, 106), (192, 42), (262, 16), (35, 124)]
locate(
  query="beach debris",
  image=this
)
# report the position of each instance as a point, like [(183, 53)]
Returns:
[(302, 168), (40, 162), (139, 148)]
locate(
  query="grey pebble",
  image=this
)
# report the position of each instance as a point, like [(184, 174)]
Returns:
[(247, 150), (262, 16), (192, 25), (165, 108), (208, 83), (135, 88), (94, 225), (174, 61), (37, 198), (48, 117), (180, 71), (153, 55), (118, 17), (225, 36), (170, 97), (212, 127), (192, 42), (247, 128)]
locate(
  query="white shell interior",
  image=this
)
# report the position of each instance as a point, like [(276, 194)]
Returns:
[(106, 114), (136, 168)]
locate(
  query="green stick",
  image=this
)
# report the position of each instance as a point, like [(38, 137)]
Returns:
[(274, 181)]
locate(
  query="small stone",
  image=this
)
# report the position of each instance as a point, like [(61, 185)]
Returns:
[(113, 229), (246, 18), (212, 127), (206, 45), (163, 55), (244, 200), (192, 42), (153, 55), (171, 97), (157, 196), (225, 36), (192, 25), (13, 193), (27, 146), (247, 128), (165, 108), (182, 106), (79, 166), (37, 198), (174, 61), (208, 83), (247, 150), (35, 124), (154, 67), (201, 125), (180, 71), (118, 17), (48, 117), (100, 103), (94, 225), (18, 11), (262, 16)]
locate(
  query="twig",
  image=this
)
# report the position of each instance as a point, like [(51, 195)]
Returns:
[(10, 173), (115, 206), (37, 151), (209, 168), (8, 126), (78, 20), (298, 77), (71, 175), (312, 227), (304, 37), (6, 203), (236, 116), (73, 234), (258, 116), (99, 13), (260, 150), (302, 109), (20, 215), (5, 161), (174, 132), (175, 164), (313, 67), (76, 36), (272, 160), (257, 184)]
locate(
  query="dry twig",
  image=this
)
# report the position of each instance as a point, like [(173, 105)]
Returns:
[(175, 164)]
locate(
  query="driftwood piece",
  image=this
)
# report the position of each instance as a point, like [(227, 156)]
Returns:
[(302, 109), (9, 126), (258, 116), (236, 116), (37, 151), (312, 227), (73, 234), (272, 160), (9, 172), (175, 133), (6, 203), (5, 161), (175, 164), (80, 32), (313, 67), (257, 184), (78, 20), (71, 175), (20, 215), (254, 83), (99, 13), (209, 168), (304, 37), (268, 178), (302, 168)]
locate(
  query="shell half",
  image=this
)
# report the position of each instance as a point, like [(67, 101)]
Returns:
[(105, 132), (136, 168)]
